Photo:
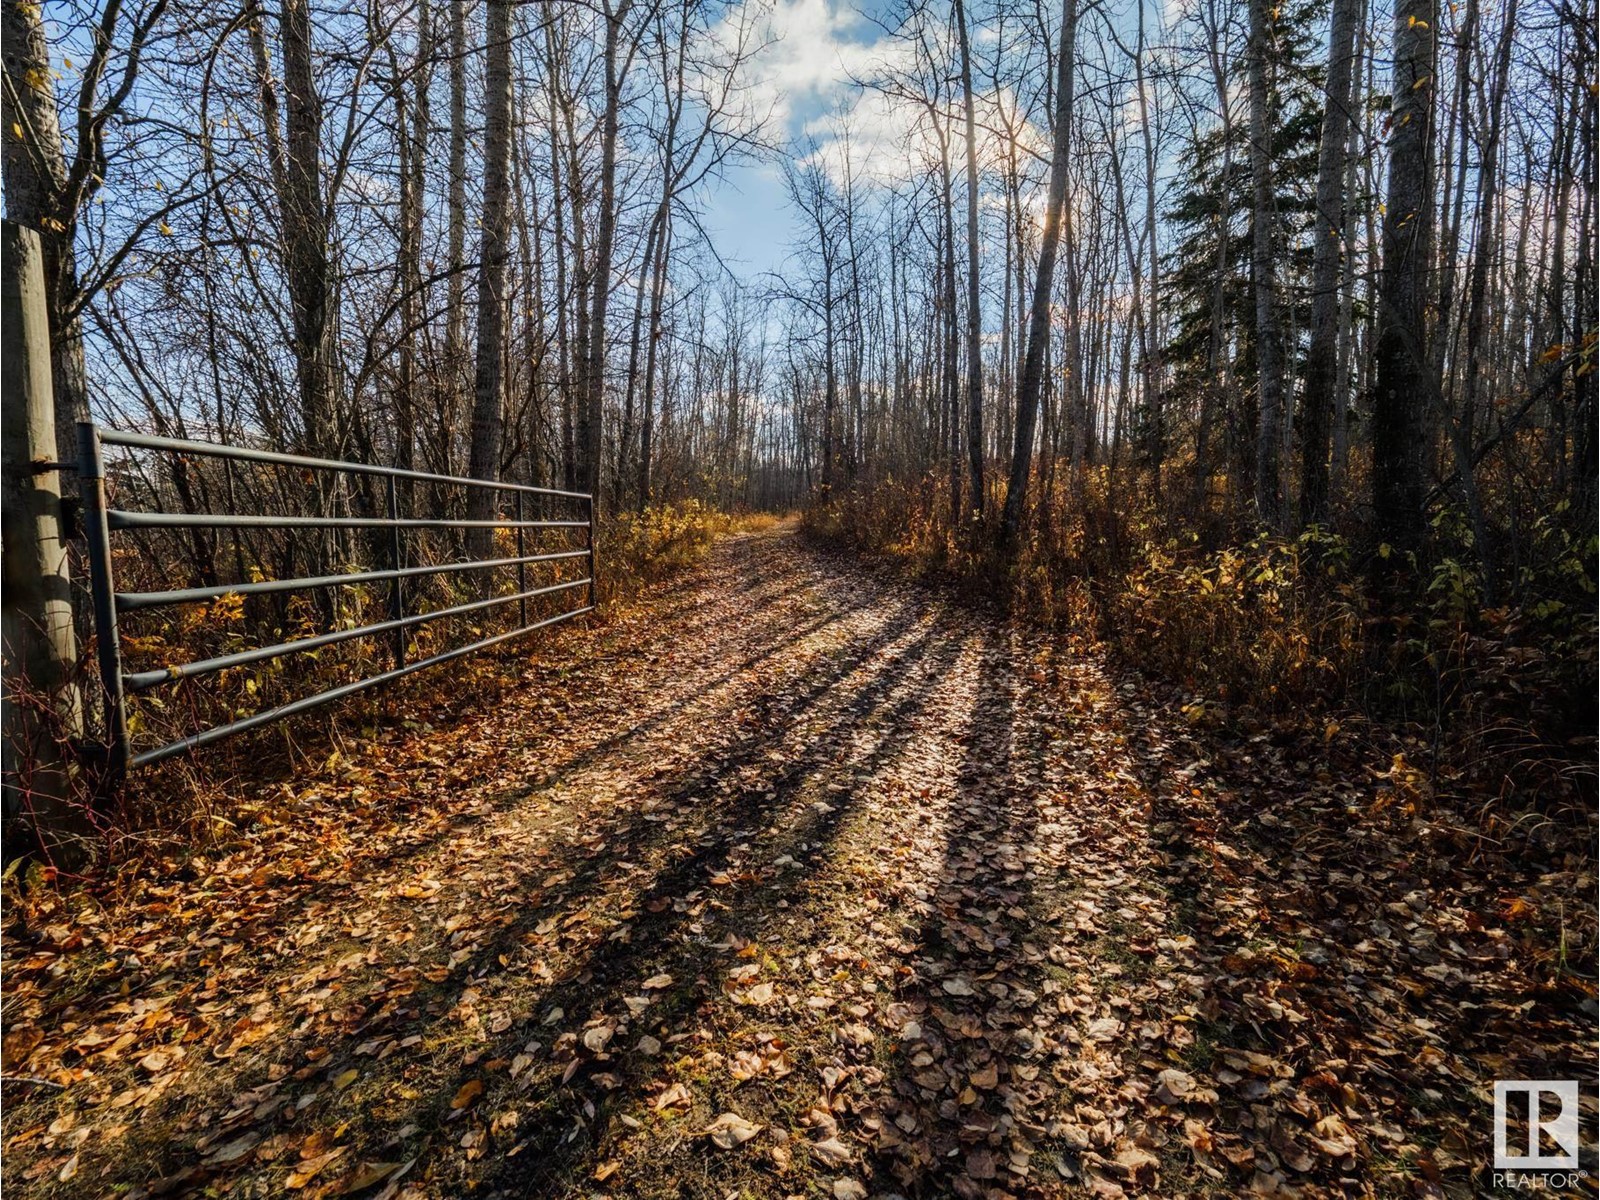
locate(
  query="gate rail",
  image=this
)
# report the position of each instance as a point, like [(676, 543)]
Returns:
[(101, 521)]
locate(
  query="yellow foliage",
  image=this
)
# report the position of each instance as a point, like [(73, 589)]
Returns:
[(641, 548)]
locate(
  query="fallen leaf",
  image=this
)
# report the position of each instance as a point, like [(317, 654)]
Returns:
[(1104, 1029), (730, 1130), (832, 1152), (17, 1045), (1174, 1086), (1135, 1161), (674, 1095), (364, 1176), (1103, 1186), (308, 1168), (234, 1151)]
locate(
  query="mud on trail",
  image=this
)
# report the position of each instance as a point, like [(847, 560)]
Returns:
[(797, 879)]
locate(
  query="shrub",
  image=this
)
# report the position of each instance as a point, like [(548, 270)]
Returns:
[(637, 549), (1287, 629)]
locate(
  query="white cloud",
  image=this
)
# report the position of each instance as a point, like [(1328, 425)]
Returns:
[(810, 51), (877, 139), (813, 56)]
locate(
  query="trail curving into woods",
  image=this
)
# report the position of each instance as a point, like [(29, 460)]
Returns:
[(796, 879)]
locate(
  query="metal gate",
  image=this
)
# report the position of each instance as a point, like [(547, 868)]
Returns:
[(102, 523)]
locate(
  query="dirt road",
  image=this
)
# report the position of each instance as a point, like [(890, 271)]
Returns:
[(795, 880)]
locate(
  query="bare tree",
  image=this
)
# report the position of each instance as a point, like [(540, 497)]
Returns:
[(47, 189), (1320, 381), (1406, 385), (1032, 380), (617, 60), (975, 444), (488, 405), (304, 224), (1264, 277), (455, 333)]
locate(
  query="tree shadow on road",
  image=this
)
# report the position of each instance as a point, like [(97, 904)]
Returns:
[(721, 896), (954, 1114), (770, 628), (669, 879)]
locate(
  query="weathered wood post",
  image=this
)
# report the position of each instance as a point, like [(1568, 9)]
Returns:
[(42, 710)]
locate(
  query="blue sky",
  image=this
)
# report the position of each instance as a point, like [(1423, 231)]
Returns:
[(749, 220), (805, 74), (801, 74)]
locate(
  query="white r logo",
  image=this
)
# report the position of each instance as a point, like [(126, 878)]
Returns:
[(1562, 1129)]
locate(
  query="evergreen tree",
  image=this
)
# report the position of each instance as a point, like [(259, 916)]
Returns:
[(1212, 348)]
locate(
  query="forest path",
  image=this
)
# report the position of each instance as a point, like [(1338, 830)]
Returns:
[(796, 879)]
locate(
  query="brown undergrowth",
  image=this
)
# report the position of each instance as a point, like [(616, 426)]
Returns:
[(1489, 703)]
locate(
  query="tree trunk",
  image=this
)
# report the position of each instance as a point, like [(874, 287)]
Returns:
[(830, 391), (488, 416), (974, 299), (1154, 399), (1405, 383), (455, 324), (35, 167), (558, 206), (1322, 357), (1484, 248), (1263, 264), (42, 707), (591, 415), (952, 335), (1032, 381), (647, 427), (630, 388), (1218, 390), (411, 123), (304, 229), (1340, 451)]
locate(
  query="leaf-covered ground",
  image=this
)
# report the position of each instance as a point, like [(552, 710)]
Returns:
[(801, 880)]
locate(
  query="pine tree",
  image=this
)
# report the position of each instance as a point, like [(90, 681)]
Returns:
[(1212, 348)]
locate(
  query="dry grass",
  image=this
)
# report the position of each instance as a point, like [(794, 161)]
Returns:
[(1289, 630)]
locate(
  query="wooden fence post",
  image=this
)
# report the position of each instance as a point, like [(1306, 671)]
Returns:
[(42, 719)]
